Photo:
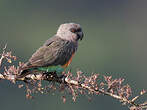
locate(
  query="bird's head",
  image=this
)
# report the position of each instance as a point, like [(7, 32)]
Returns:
[(70, 31)]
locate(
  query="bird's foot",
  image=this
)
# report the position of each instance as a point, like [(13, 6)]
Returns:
[(52, 76)]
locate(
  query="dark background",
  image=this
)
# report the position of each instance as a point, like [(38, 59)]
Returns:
[(114, 42)]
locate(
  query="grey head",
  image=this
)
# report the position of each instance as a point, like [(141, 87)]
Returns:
[(70, 31)]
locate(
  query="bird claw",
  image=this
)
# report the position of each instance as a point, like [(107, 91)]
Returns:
[(62, 78)]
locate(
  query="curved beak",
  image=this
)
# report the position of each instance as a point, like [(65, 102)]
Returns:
[(80, 35)]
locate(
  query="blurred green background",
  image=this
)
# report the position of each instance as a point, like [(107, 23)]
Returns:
[(115, 42)]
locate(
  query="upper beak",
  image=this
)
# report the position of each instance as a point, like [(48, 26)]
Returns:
[(80, 35)]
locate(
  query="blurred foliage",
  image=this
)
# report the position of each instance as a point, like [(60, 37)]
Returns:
[(114, 43)]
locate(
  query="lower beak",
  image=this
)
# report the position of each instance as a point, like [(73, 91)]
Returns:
[(80, 35)]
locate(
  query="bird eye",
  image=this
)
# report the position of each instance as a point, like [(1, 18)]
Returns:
[(73, 30)]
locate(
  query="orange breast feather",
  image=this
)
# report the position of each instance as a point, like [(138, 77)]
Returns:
[(67, 64)]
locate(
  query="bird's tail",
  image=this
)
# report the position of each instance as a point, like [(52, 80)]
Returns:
[(24, 71)]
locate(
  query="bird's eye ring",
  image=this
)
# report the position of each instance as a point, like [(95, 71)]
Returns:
[(73, 30)]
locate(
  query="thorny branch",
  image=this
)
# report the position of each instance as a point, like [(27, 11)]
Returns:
[(79, 84)]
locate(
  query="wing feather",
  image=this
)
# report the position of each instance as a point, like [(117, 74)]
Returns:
[(55, 51)]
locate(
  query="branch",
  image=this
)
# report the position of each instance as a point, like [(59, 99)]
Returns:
[(79, 84)]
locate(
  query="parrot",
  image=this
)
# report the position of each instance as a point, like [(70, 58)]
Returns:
[(57, 52)]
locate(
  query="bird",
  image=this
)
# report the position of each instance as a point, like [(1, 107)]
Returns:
[(56, 54)]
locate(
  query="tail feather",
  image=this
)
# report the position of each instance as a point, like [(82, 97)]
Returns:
[(24, 73), (24, 70)]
